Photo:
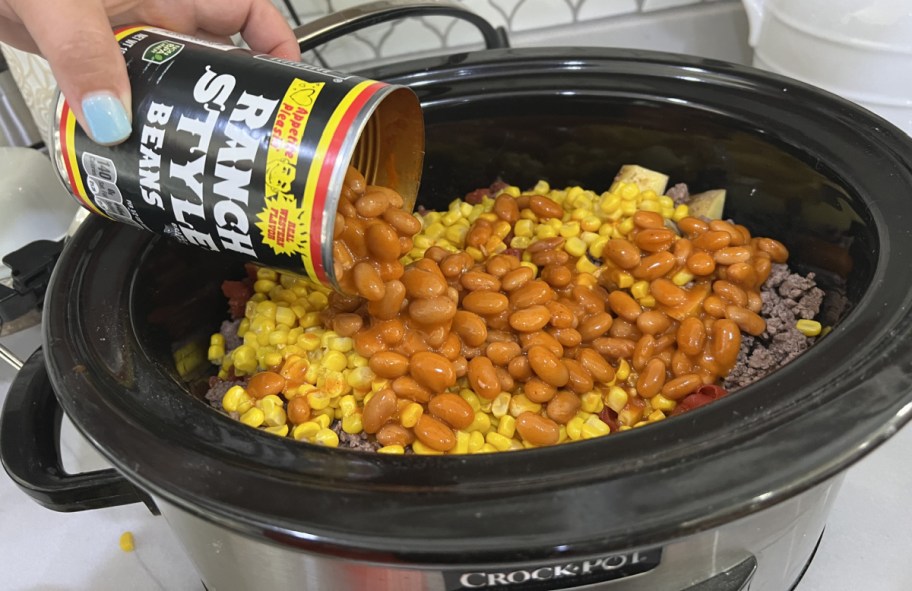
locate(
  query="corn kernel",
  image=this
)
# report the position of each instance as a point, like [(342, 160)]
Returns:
[(326, 437), (476, 441), (520, 404), (263, 285), (334, 361), (530, 265), (501, 404), (451, 216), (244, 358), (594, 427), (410, 415), (342, 344), (462, 443), (423, 450), (584, 265), (647, 302), (471, 398), (640, 289), (625, 226), (280, 430), (285, 316), (523, 228), (318, 399), (625, 280), (575, 246), (310, 320), (456, 234), (500, 442), (273, 359), (590, 223), (306, 431), (506, 426), (520, 242), (592, 402), (682, 278), (616, 398), (360, 377), (352, 424), (809, 328), (309, 341), (278, 337), (254, 417), (570, 229), (575, 428), (661, 403), (650, 205), (234, 397), (348, 405), (680, 212), (542, 232), (482, 423), (392, 449), (623, 370), (215, 353), (126, 542)]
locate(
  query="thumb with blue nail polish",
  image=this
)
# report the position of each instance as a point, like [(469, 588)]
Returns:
[(106, 118)]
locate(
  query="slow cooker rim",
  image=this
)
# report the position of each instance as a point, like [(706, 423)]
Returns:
[(148, 483)]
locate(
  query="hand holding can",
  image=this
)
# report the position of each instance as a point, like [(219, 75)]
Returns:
[(242, 153)]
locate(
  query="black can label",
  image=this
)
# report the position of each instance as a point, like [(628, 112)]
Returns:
[(229, 151)]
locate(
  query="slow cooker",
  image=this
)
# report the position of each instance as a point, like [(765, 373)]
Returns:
[(731, 496)]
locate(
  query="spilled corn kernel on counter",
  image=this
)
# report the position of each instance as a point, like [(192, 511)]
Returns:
[(515, 319)]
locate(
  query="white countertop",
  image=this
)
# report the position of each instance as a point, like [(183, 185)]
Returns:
[(866, 544)]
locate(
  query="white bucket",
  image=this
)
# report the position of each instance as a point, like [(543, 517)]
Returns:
[(858, 49)]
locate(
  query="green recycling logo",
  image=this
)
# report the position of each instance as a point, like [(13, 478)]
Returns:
[(159, 53)]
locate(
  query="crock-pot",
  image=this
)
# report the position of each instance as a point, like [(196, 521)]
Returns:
[(730, 496)]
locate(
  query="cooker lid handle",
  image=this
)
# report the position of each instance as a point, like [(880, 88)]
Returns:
[(343, 22), (30, 450)]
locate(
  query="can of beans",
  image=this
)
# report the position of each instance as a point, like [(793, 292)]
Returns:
[(242, 153)]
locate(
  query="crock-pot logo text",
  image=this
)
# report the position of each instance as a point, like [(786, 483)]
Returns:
[(210, 153), (557, 576)]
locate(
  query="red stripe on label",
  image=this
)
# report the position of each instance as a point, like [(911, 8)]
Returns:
[(65, 115), (329, 164)]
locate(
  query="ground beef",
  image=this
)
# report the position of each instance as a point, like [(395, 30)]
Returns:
[(679, 193), (229, 330), (218, 387), (357, 442), (787, 298)]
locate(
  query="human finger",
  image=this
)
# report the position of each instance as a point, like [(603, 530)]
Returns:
[(86, 61)]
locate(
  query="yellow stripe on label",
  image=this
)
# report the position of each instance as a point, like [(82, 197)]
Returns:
[(76, 177), (285, 226), (310, 189), (124, 33)]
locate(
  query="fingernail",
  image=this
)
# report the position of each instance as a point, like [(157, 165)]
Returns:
[(106, 118)]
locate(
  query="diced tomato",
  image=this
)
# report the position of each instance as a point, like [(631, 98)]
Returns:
[(237, 292), (610, 418), (475, 197)]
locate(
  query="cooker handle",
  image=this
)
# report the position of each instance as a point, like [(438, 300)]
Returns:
[(343, 22), (30, 450)]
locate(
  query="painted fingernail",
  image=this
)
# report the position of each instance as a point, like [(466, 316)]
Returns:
[(106, 117)]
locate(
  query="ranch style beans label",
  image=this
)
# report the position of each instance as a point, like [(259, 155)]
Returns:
[(560, 575), (229, 151)]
